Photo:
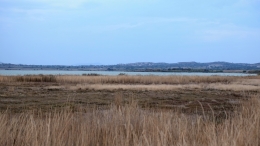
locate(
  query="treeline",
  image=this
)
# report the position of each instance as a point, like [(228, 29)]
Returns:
[(145, 67)]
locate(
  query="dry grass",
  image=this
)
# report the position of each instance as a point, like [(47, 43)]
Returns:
[(128, 87), (118, 79), (160, 87), (145, 80), (28, 78), (142, 79), (255, 81), (130, 125), (250, 83), (233, 87)]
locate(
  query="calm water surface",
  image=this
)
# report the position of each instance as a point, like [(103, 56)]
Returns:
[(55, 72)]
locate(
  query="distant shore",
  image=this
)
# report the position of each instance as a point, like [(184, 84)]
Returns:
[(185, 67), (118, 73)]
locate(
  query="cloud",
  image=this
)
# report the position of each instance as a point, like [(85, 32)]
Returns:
[(96, 29), (59, 3), (219, 34), (31, 11), (227, 33), (166, 20), (73, 4), (40, 9), (128, 23), (247, 2), (123, 26), (35, 14), (67, 3)]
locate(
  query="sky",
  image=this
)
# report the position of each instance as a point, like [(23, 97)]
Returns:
[(83, 32)]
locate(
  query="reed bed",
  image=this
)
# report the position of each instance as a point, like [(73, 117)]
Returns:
[(130, 125), (160, 87), (29, 78), (143, 79), (119, 79)]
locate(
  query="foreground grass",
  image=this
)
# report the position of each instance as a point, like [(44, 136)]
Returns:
[(131, 125)]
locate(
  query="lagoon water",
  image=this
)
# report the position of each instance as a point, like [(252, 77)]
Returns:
[(113, 73)]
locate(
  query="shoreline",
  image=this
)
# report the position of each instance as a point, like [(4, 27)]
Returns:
[(114, 73)]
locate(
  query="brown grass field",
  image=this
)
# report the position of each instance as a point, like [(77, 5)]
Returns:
[(129, 110)]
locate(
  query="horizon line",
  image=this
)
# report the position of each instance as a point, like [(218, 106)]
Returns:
[(100, 64)]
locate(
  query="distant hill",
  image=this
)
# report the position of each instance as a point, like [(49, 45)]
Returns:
[(195, 65), (145, 67)]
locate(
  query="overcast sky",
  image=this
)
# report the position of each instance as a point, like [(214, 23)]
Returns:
[(75, 32)]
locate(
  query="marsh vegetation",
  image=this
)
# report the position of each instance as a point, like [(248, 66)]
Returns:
[(129, 110)]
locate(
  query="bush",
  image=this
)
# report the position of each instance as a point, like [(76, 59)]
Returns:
[(91, 74), (122, 74), (36, 78)]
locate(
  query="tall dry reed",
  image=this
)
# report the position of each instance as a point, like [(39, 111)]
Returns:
[(143, 79), (130, 125), (28, 78), (119, 79)]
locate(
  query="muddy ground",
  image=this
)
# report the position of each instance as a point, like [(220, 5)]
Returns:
[(20, 96)]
